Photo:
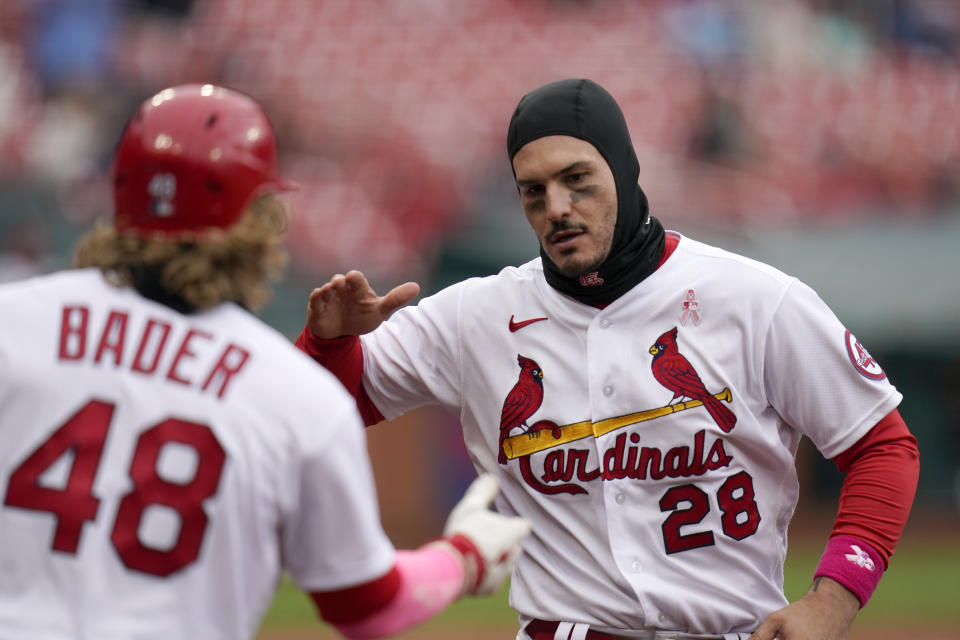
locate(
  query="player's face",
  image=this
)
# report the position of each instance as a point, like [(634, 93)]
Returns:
[(570, 199)]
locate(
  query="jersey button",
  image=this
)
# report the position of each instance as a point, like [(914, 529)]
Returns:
[(608, 390), (635, 566), (604, 323), (619, 498)]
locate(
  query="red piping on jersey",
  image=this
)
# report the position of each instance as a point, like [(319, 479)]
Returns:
[(882, 470), (343, 356)]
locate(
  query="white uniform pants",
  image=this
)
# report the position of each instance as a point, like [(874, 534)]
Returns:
[(578, 631)]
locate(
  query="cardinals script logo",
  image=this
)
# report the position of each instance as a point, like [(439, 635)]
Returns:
[(568, 470), (550, 462), (675, 372)]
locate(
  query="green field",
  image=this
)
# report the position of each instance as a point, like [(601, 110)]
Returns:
[(920, 591)]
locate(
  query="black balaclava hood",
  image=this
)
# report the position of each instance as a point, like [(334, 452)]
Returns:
[(583, 109)]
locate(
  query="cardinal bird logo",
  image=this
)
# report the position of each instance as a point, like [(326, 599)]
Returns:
[(522, 401), (676, 373)]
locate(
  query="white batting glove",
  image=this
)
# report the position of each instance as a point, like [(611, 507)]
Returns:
[(488, 541)]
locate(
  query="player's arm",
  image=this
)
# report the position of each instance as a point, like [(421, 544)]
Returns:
[(337, 313), (343, 357), (332, 541), (474, 557), (882, 470)]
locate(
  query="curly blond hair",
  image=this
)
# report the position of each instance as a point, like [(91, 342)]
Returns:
[(198, 270)]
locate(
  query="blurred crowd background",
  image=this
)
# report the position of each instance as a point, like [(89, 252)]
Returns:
[(822, 136)]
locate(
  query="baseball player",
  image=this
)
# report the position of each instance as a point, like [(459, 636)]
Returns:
[(165, 455), (640, 395)]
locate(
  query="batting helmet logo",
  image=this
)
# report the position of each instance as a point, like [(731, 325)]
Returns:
[(193, 157), (162, 190)]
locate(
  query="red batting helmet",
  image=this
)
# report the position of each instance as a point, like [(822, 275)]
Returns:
[(193, 157)]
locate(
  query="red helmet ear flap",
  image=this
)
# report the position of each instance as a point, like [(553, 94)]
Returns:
[(193, 157)]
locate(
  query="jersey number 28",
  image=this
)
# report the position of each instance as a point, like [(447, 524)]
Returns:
[(689, 504), (84, 434)]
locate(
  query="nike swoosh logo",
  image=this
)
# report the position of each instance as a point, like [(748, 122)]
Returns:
[(516, 326)]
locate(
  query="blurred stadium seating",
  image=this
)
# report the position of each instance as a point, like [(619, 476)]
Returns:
[(834, 118), (777, 114)]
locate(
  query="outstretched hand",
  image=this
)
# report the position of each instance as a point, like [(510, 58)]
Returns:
[(824, 613), (492, 540), (348, 305)]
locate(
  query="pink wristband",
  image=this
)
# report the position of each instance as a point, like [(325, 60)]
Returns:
[(854, 564)]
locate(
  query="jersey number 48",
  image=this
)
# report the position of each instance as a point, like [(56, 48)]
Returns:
[(84, 434)]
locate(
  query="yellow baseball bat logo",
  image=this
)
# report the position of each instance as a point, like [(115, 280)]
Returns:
[(526, 444)]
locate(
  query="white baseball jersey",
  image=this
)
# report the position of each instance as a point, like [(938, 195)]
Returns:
[(653, 505), (159, 471)]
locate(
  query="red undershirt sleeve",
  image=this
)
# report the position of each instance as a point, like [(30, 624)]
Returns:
[(351, 605), (343, 357), (882, 471), (421, 583)]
